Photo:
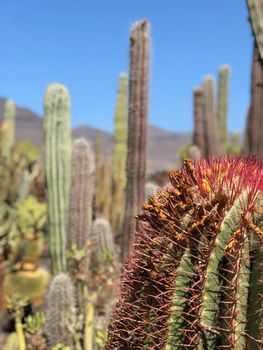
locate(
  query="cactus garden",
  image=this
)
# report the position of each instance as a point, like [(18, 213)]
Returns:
[(109, 240)]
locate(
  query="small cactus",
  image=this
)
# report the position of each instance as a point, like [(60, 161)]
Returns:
[(102, 239), (60, 312), (194, 153), (150, 190)]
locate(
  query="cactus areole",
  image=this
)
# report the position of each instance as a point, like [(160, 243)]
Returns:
[(194, 277)]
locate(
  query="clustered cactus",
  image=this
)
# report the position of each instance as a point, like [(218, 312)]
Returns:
[(194, 277)]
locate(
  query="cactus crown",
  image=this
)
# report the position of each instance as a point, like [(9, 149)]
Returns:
[(194, 276)]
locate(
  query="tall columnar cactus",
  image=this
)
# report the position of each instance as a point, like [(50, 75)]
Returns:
[(57, 134), (81, 192), (222, 106), (198, 136), (119, 156), (194, 278), (97, 173), (209, 118), (60, 311), (137, 127), (8, 129), (105, 188), (255, 8), (102, 239)]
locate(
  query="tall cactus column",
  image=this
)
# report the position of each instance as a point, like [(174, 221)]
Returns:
[(222, 106), (8, 129), (119, 156), (57, 134), (198, 136), (209, 118), (137, 127)]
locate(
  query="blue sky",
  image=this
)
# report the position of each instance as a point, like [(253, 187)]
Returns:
[(84, 45)]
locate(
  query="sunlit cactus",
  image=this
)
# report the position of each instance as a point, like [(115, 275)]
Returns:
[(102, 239), (194, 278), (255, 8), (222, 106), (198, 135), (8, 129), (60, 311), (119, 156), (81, 192), (211, 136), (137, 127), (57, 134)]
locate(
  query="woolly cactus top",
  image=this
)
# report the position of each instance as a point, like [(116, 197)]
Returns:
[(186, 282)]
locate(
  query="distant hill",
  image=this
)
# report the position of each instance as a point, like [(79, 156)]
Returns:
[(163, 145)]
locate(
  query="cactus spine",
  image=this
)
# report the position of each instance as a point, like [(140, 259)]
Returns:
[(209, 118), (60, 312), (81, 192), (194, 276), (119, 156), (222, 106), (137, 127), (57, 134), (198, 136), (8, 129)]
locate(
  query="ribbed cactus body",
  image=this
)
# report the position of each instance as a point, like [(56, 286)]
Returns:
[(137, 127), (119, 156), (57, 134), (81, 192), (102, 238), (60, 311), (222, 106), (211, 147), (194, 278), (255, 116), (198, 136), (255, 8), (8, 129)]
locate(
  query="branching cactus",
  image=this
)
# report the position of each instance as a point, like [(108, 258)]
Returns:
[(198, 135), (137, 127), (119, 156), (60, 312), (8, 129), (194, 278), (209, 118), (57, 134), (222, 106)]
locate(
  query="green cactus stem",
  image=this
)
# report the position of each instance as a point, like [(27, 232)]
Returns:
[(222, 106), (255, 8), (102, 239), (57, 134), (194, 278), (211, 136), (8, 129), (119, 156), (198, 135), (137, 127)]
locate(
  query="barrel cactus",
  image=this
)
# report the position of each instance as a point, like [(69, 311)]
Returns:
[(194, 278)]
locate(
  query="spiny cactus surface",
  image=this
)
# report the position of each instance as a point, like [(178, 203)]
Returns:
[(194, 278), (57, 134)]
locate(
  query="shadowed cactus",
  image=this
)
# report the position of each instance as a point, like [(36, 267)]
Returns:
[(194, 278), (119, 156), (57, 134), (137, 127), (60, 311), (211, 147)]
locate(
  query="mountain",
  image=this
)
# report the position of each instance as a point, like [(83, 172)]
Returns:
[(163, 145)]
